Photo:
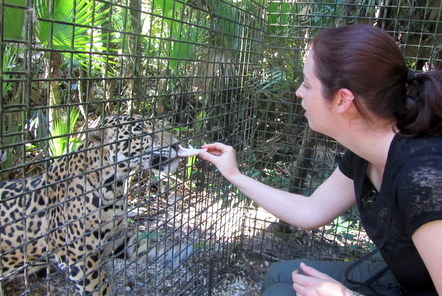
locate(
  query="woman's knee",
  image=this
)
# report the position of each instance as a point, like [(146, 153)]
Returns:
[(279, 278), (279, 290), (281, 272)]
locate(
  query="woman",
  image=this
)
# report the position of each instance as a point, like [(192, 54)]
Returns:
[(358, 90)]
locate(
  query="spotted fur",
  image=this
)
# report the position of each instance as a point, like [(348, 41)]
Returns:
[(75, 212)]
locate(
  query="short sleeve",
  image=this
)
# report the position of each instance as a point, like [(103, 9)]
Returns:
[(420, 191), (345, 165)]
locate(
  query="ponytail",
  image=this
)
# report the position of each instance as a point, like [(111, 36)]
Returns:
[(366, 60), (420, 113)]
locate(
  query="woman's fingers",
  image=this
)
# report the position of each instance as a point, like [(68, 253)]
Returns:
[(217, 148), (314, 282), (314, 273), (302, 279), (222, 156)]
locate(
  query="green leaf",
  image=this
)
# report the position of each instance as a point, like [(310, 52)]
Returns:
[(13, 19), (59, 143), (65, 25)]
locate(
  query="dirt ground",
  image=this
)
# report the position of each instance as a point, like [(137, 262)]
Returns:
[(263, 241), (244, 278)]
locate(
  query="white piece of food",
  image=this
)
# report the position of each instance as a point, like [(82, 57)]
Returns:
[(188, 152)]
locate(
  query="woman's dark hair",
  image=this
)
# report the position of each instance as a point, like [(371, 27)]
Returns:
[(366, 60)]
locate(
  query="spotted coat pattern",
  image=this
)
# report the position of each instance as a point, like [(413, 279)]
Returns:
[(74, 213)]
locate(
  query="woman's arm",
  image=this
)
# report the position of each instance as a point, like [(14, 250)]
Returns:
[(428, 242), (331, 199)]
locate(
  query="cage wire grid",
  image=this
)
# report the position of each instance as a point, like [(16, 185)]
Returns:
[(199, 72)]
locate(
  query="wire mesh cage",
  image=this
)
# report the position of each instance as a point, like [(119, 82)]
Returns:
[(286, 153), (96, 97)]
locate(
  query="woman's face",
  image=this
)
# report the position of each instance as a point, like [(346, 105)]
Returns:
[(317, 108)]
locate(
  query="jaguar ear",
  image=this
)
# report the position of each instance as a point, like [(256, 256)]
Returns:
[(96, 137), (94, 134)]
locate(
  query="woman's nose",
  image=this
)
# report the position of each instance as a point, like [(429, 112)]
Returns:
[(298, 93)]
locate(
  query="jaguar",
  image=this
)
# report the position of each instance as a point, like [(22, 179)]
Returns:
[(75, 213)]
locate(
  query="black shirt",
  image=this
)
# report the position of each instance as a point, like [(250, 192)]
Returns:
[(410, 196)]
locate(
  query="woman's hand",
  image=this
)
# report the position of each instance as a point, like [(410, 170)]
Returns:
[(223, 157), (315, 283)]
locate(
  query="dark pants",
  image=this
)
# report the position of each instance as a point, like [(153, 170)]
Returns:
[(278, 279)]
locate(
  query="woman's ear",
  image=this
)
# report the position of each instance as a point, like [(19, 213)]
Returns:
[(344, 100)]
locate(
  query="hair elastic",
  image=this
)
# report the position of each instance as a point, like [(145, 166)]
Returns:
[(410, 76)]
